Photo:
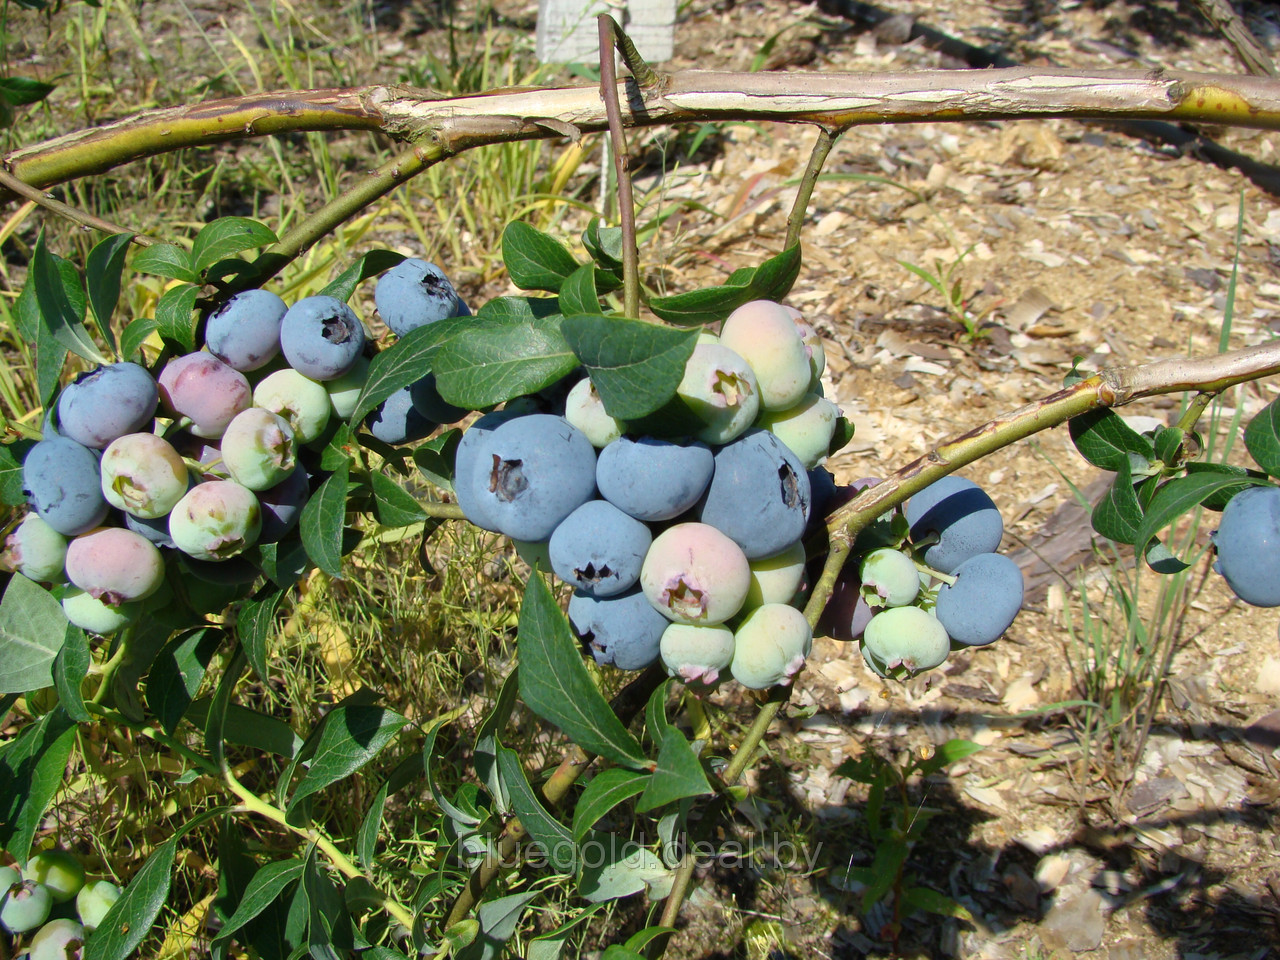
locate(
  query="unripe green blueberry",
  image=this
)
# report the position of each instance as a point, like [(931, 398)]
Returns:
[(90, 613), (58, 870), (35, 550), (216, 520), (770, 646), (720, 390), (806, 428), (763, 334), (258, 448), (26, 907), (60, 939), (143, 475), (584, 409), (903, 641), (94, 900), (693, 573), (889, 578), (776, 579), (9, 878), (812, 343), (115, 565), (305, 403), (345, 390), (696, 653)]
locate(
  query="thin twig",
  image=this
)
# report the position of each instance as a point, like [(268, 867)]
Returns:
[(609, 28), (66, 211), (827, 138)]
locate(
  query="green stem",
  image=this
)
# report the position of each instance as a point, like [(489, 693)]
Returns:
[(109, 668), (252, 803), (442, 511), (827, 138), (66, 211), (170, 743), (609, 29)]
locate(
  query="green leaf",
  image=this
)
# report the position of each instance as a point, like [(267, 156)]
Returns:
[(578, 294), (175, 315), (947, 754), (1168, 445), (1118, 514), (135, 335), (1177, 497), (931, 901), (393, 505), (165, 260), (604, 244), (615, 868), (266, 886), (679, 773), (558, 846), (102, 273), (891, 853), (61, 302), (698, 307), (329, 933), (32, 631), (371, 264), (70, 667), (130, 918), (32, 768), (655, 712), (642, 938), (555, 684), (774, 278), (352, 737), (254, 622), (406, 361), (249, 728), (1262, 438), (485, 759), (1105, 440), (616, 952), (498, 920), (177, 673), (492, 360), (226, 237), (11, 457), (450, 809), (634, 366), (535, 260), (22, 91), (1220, 499), (1161, 559), (215, 720), (321, 523), (435, 458), (606, 790)]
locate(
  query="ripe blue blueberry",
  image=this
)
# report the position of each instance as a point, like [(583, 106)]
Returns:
[(245, 331), (625, 630), (962, 519), (282, 505), (653, 479), (1248, 545), (759, 494), (321, 337), (533, 472), (107, 403), (415, 293), (472, 458), (397, 419), (979, 607), (599, 550), (61, 480)]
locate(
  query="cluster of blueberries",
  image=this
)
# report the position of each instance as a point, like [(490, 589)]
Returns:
[(690, 550), (207, 458), (49, 899), (942, 587)]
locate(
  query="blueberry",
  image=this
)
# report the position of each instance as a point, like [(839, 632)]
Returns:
[(847, 612), (282, 505), (60, 939), (696, 653), (653, 479), (398, 420), (107, 403), (585, 410), (1248, 545), (962, 518), (206, 391), (599, 549), (903, 641), (719, 389), (245, 331), (94, 900), (472, 458), (770, 646), (625, 630), (90, 613), (61, 480), (979, 607), (35, 550), (258, 448), (693, 573), (321, 337), (143, 474), (215, 520), (58, 870), (533, 472), (889, 578), (114, 565), (415, 293), (765, 335), (759, 494), (304, 402), (26, 907), (776, 579)]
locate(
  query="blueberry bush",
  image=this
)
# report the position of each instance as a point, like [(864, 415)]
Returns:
[(657, 461)]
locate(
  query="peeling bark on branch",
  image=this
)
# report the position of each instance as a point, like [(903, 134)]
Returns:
[(455, 124)]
